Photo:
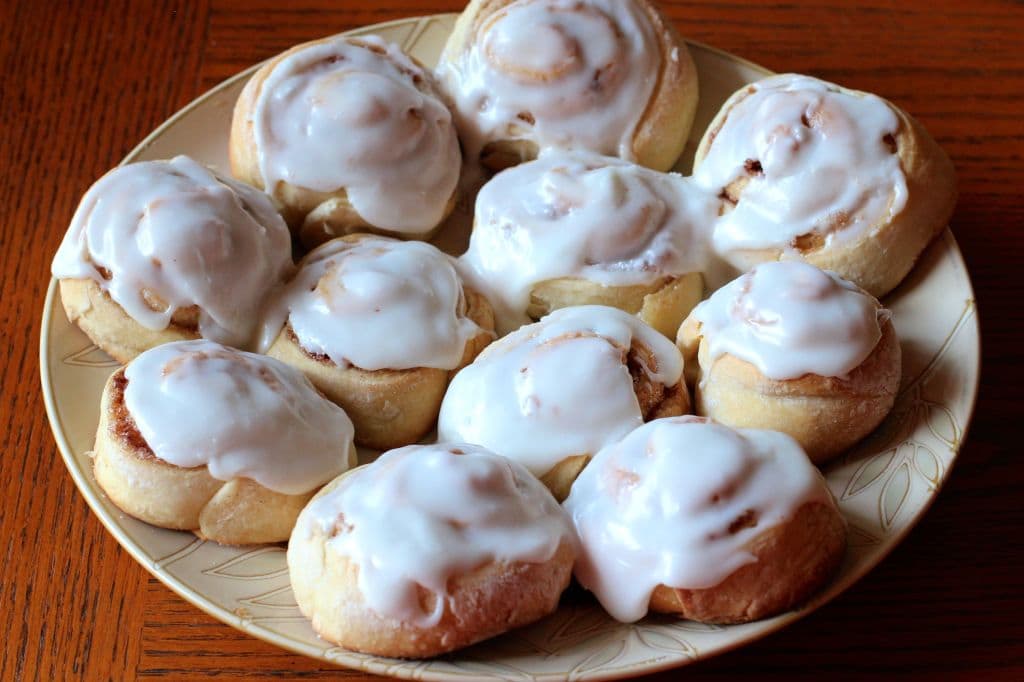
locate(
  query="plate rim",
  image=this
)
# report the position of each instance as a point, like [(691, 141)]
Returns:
[(376, 665)]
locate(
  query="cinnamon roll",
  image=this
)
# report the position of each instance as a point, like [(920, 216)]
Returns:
[(231, 445), (573, 228), (350, 136), (609, 76), (838, 178), (792, 348), (379, 326), (553, 393), (483, 549), (689, 517), (161, 251)]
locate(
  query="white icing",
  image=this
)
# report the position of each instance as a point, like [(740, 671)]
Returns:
[(826, 166), (583, 71), (184, 234), (789, 319), (556, 388), (656, 508), (422, 515), (338, 114), (376, 303), (241, 415), (578, 214)]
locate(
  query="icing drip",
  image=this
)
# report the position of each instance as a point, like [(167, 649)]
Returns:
[(577, 214), (376, 303), (677, 501), (424, 514), (790, 319), (160, 236), (562, 73), (819, 165), (359, 114), (241, 415), (556, 388)]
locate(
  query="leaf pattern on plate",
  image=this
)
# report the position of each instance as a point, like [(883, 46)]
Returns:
[(927, 463), (90, 356), (179, 554), (659, 639), (858, 537), (280, 599), (870, 471), (942, 423), (258, 564), (894, 494), (605, 654)]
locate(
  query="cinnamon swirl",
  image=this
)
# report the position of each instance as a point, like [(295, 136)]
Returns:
[(792, 348), (553, 393), (574, 228), (379, 326), (689, 517), (811, 171), (350, 136), (609, 76), (197, 436), (160, 251), (483, 548)]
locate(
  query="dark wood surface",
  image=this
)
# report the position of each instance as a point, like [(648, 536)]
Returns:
[(83, 82)]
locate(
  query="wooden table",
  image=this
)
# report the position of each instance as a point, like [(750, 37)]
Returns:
[(83, 83)]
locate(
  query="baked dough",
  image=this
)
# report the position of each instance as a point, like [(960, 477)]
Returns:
[(832, 376), (232, 507), (162, 251), (577, 228), (394, 394), (350, 136), (553, 393), (752, 529), (838, 178), (485, 548), (609, 76)]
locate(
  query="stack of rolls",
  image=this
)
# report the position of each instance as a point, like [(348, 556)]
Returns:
[(555, 356)]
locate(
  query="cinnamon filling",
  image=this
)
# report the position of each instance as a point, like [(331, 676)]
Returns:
[(650, 394), (122, 424), (322, 358)]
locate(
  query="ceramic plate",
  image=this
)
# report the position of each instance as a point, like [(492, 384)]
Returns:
[(883, 486)]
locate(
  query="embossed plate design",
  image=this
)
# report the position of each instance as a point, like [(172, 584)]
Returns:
[(883, 486)]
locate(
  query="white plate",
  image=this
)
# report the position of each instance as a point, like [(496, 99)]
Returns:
[(883, 486)]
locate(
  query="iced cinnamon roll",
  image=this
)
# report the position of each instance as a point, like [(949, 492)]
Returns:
[(162, 251), (553, 393), (231, 445), (790, 347), (574, 228), (689, 517), (427, 550), (379, 326), (609, 76), (838, 178), (350, 136)]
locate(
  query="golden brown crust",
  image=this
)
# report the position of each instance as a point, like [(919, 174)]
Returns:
[(664, 126), (482, 603), (108, 325), (793, 561), (826, 415), (663, 304), (238, 512), (389, 407), (314, 217), (885, 253)]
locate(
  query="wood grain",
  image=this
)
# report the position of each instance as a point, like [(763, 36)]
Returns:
[(84, 82)]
